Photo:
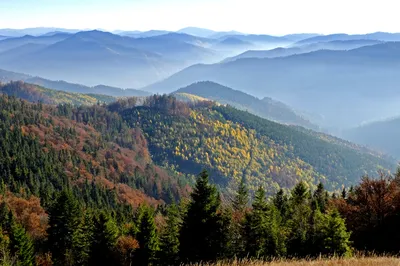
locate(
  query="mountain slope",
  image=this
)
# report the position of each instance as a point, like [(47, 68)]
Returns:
[(7, 76), (344, 87), (234, 144), (380, 135), (34, 93), (89, 149), (266, 108)]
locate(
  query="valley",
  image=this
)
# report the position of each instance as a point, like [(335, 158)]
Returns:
[(126, 141)]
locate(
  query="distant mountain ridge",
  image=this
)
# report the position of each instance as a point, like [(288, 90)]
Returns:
[(301, 49), (333, 84), (382, 36), (266, 108), (113, 59), (8, 76)]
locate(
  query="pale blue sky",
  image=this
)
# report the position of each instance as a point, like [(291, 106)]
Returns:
[(251, 16)]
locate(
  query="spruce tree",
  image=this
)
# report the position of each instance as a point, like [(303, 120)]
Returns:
[(147, 237), (202, 236), (236, 234), (242, 197), (300, 213), (275, 245), (169, 241), (336, 237), (315, 233), (281, 202), (256, 226), (21, 245), (105, 235), (64, 218), (82, 239), (319, 198)]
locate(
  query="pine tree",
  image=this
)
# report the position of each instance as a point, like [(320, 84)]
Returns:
[(147, 237), (105, 235), (22, 246), (169, 241), (64, 218), (203, 236)]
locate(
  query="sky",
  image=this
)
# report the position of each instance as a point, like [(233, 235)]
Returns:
[(277, 17)]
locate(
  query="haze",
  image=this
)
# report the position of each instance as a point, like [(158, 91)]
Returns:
[(276, 17)]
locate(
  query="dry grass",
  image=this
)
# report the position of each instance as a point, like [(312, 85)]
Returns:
[(354, 261)]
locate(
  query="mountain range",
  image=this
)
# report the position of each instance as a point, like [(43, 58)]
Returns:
[(332, 84), (8, 76), (185, 138), (305, 48), (266, 108)]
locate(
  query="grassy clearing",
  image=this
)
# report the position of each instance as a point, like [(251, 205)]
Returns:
[(354, 261)]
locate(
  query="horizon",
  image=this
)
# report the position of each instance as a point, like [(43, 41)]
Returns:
[(253, 17), (117, 31)]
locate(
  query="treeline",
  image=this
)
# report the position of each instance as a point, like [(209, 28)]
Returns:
[(205, 228)]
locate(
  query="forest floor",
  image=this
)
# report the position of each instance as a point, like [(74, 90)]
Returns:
[(354, 261)]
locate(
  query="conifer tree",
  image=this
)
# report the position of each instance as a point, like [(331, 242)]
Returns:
[(256, 226), (336, 237), (105, 235), (169, 241), (6, 258), (275, 233), (236, 234), (319, 198), (82, 239), (64, 218), (281, 202), (3, 213), (147, 237), (299, 194), (299, 220), (242, 197), (315, 235), (21, 245), (202, 236)]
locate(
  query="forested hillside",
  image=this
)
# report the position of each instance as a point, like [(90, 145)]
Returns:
[(35, 93), (95, 185), (235, 144), (266, 108)]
